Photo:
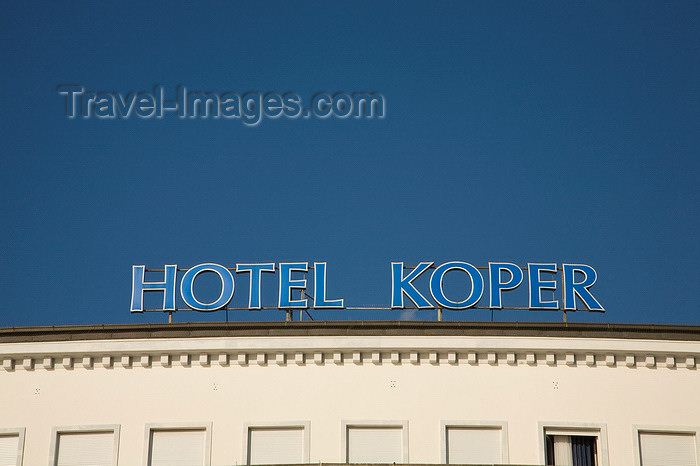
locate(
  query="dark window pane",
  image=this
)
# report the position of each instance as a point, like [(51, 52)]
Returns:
[(583, 450)]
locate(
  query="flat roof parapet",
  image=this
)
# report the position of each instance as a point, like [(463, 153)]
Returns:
[(349, 328)]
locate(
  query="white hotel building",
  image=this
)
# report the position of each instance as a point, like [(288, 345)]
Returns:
[(220, 394)]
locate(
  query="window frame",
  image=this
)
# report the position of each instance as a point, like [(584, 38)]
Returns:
[(387, 424), (20, 432), (502, 425), (305, 426), (600, 431), (663, 429), (84, 429), (171, 426)]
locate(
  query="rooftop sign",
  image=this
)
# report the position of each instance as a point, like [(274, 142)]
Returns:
[(501, 277)]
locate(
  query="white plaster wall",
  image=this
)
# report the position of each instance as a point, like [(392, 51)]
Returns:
[(327, 393)]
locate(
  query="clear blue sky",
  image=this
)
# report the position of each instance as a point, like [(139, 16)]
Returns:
[(514, 131)]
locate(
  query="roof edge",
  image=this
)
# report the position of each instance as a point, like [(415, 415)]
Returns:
[(349, 328)]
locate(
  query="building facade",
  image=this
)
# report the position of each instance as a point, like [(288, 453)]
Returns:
[(220, 394)]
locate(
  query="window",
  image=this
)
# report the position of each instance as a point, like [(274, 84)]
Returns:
[(370, 442), (474, 442), (572, 450), (181, 444), (667, 448), (85, 445), (574, 444), (11, 447), (277, 444)]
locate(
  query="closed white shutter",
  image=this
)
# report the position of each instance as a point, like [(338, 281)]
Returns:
[(180, 447), (9, 447), (472, 445), (276, 445), (667, 449), (85, 449), (374, 445)]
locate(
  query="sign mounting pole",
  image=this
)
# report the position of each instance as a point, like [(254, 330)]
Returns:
[(562, 288)]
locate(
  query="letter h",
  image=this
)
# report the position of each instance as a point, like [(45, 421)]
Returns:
[(139, 286)]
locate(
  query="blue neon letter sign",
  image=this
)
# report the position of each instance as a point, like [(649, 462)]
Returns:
[(579, 289), (477, 287), (401, 285), (496, 285), (187, 287), (139, 286)]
